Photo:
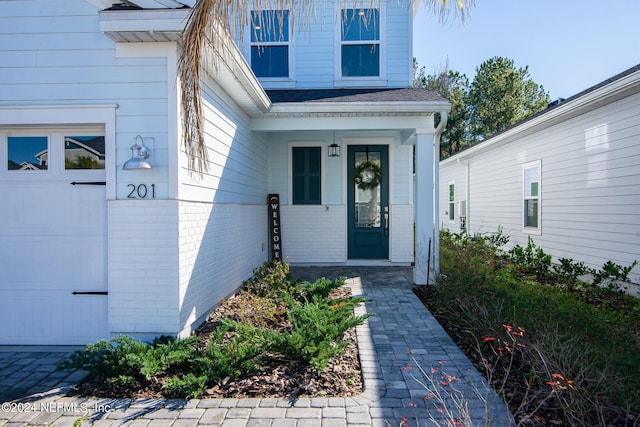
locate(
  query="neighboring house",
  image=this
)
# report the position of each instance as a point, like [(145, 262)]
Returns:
[(568, 177), (91, 249)]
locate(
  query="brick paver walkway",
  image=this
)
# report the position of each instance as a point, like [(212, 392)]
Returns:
[(413, 374)]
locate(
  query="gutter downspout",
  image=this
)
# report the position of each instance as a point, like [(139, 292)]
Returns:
[(436, 194)]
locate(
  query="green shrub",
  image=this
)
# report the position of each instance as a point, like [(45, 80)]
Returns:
[(569, 271), (187, 367), (318, 327), (122, 356), (611, 274), (531, 259), (188, 385)]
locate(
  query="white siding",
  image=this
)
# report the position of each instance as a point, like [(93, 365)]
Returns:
[(314, 234), (143, 260), (455, 173), (223, 214), (52, 53), (318, 234), (220, 246), (590, 186), (315, 49)]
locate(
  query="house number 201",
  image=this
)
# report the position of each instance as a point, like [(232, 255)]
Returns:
[(141, 191)]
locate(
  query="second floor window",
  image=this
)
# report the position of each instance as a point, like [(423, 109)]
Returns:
[(360, 43), (270, 43)]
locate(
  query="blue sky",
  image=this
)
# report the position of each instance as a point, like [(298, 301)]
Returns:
[(569, 45)]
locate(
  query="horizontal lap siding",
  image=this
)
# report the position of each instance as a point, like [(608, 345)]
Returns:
[(590, 186), (223, 215), (53, 53), (451, 173), (316, 48)]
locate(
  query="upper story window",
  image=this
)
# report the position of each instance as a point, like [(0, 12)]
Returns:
[(531, 196), (270, 43), (360, 43)]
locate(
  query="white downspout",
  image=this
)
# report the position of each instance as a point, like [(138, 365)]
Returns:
[(436, 194)]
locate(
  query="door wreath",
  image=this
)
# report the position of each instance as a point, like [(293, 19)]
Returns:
[(367, 175)]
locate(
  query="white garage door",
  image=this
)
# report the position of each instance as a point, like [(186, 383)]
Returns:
[(53, 287)]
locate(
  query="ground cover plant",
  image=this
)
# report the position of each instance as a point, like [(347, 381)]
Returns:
[(559, 351), (277, 338)]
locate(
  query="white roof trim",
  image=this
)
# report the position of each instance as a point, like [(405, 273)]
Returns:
[(591, 100), (387, 108), (145, 4)]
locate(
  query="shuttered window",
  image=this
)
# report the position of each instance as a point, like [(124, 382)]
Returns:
[(306, 175)]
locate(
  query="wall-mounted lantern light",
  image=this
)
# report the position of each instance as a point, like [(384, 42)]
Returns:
[(334, 150), (139, 155)]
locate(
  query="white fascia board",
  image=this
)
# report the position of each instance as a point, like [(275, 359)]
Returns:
[(302, 123), (234, 74), (157, 20), (614, 91), (146, 4), (297, 108), (157, 4)]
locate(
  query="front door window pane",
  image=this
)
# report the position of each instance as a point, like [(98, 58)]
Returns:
[(84, 152), (28, 152), (367, 209)]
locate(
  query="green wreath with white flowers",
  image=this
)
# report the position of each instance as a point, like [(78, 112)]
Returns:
[(367, 175)]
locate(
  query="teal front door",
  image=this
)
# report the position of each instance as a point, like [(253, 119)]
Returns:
[(368, 201)]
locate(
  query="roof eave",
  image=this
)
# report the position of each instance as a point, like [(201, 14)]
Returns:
[(591, 99), (392, 107)]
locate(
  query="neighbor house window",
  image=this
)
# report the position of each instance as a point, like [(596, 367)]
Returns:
[(452, 202), (360, 43), (531, 195), (270, 43), (306, 175), (28, 153)]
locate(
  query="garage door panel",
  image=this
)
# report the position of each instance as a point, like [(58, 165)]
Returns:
[(28, 263), (71, 320), (53, 242)]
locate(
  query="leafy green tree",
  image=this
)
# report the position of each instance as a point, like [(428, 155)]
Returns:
[(501, 95), (453, 86)]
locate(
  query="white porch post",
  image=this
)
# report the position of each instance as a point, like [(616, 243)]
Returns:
[(424, 205)]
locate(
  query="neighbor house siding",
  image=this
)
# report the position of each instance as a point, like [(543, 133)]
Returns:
[(590, 186)]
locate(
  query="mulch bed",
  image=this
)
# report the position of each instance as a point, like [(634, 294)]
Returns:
[(278, 377)]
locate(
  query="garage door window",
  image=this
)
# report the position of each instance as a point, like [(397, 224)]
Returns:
[(28, 153), (84, 152)]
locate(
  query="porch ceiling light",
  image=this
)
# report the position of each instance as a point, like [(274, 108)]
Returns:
[(334, 150), (139, 154)]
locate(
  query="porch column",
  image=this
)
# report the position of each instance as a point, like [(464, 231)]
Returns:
[(424, 206)]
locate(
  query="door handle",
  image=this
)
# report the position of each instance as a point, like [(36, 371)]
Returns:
[(386, 220)]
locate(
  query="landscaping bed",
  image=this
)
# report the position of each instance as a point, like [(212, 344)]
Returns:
[(276, 338), (559, 351)]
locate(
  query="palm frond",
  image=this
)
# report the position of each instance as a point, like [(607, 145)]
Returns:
[(211, 32)]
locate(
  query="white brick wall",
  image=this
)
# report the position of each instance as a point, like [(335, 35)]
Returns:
[(220, 246), (401, 233), (143, 267), (313, 234)]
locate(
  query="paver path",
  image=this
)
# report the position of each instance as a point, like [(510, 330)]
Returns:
[(396, 343)]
